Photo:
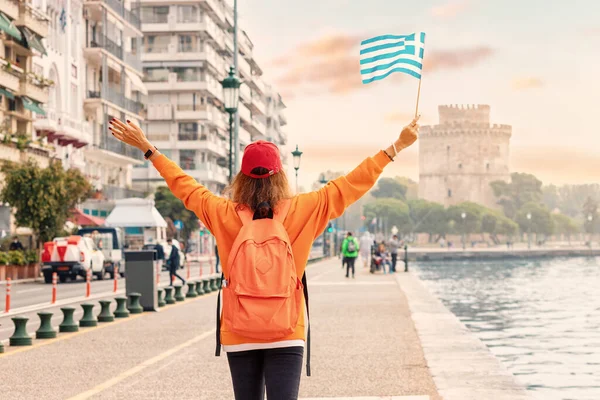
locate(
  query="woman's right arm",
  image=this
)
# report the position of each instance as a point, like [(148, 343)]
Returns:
[(194, 196)]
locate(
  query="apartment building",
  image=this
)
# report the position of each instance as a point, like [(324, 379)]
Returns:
[(23, 89), (187, 50)]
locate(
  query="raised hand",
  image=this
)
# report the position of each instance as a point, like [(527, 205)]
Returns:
[(130, 134), (409, 134)]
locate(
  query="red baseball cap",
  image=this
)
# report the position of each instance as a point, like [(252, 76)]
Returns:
[(261, 154)]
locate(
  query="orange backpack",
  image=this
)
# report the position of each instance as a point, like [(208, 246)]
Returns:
[(262, 294)]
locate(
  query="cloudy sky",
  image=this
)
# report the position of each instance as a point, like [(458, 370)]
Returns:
[(535, 62)]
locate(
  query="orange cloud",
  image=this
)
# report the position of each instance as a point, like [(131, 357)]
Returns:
[(332, 64), (449, 10), (527, 83)]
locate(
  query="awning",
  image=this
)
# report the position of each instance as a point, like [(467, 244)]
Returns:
[(136, 82), (7, 26), (32, 106), (131, 213), (87, 220), (6, 93), (34, 41)]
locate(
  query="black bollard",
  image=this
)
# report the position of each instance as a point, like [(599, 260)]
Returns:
[(405, 258), (199, 289), (88, 319), (20, 337), (191, 293), (68, 324), (134, 303), (105, 314), (45, 331), (161, 299)]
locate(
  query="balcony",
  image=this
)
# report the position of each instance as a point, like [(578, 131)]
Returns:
[(102, 42), (130, 16), (113, 145), (282, 119), (32, 19), (117, 98), (10, 8), (246, 94), (157, 112), (187, 83), (257, 106), (112, 192), (186, 53), (32, 89), (62, 127), (9, 77), (210, 172), (193, 112), (215, 10), (192, 141), (244, 69), (133, 60)]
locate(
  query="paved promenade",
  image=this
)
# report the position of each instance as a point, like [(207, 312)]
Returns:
[(365, 346)]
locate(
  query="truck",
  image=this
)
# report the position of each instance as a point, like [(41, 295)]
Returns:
[(70, 257), (111, 242)]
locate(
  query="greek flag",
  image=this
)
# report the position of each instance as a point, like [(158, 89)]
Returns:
[(383, 55)]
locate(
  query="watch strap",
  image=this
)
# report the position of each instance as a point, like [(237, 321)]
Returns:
[(149, 153)]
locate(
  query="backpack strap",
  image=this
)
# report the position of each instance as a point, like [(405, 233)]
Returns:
[(218, 349), (308, 318)]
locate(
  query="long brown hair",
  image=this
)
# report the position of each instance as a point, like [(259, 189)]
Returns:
[(251, 192)]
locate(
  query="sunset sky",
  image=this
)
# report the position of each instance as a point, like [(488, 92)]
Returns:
[(536, 65)]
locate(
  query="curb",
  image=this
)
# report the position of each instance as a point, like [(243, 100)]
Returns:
[(28, 280)]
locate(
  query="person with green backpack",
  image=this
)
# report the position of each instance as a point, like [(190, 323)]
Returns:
[(350, 248)]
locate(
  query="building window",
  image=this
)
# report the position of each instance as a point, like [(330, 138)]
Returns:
[(155, 15), (448, 149), (104, 213), (187, 159), (73, 71), (187, 74), (156, 43), (156, 74), (86, 211), (449, 192), (134, 231), (188, 131), (459, 166), (94, 213), (187, 44), (487, 166), (187, 14)]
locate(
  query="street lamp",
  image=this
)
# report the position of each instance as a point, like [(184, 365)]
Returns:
[(297, 155), (590, 218), (231, 97), (464, 216), (322, 180), (528, 230)]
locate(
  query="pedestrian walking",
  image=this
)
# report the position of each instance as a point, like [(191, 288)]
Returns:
[(365, 244), (262, 225), (350, 248), (394, 244), (173, 263)]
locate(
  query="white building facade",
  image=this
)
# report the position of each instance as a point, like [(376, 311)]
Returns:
[(187, 50)]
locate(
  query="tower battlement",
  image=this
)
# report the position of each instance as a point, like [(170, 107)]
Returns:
[(471, 113)]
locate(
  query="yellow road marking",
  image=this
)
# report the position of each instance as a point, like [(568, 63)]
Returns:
[(101, 325), (140, 367)]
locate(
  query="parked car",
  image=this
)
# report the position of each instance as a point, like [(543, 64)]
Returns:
[(111, 240), (71, 257)]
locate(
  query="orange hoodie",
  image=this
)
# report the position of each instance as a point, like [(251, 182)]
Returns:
[(308, 216)]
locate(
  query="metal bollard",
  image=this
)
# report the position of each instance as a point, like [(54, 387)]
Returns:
[(88, 283), (7, 307), (134, 303), (121, 311), (1, 348), (54, 287), (213, 282), (45, 330), (405, 258), (105, 314), (169, 299), (20, 336), (191, 290), (199, 290), (161, 300), (88, 318), (68, 324), (179, 293), (207, 287)]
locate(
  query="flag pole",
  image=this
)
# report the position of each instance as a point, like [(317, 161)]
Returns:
[(418, 97)]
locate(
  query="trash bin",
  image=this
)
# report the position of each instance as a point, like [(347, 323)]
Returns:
[(141, 278)]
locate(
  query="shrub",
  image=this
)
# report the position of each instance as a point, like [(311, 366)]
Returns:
[(3, 258), (31, 256), (16, 258)]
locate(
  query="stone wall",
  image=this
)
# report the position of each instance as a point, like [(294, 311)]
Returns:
[(461, 156)]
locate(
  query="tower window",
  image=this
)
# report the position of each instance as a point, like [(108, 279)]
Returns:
[(487, 166), (448, 149), (459, 166), (449, 192)]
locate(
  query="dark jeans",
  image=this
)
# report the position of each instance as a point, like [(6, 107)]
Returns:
[(277, 369), (350, 264), (173, 273), (394, 260)]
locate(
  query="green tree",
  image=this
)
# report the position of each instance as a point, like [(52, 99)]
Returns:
[(171, 207), (389, 188), (590, 215), (473, 216), (43, 198), (541, 221), (393, 211), (522, 189), (565, 225), (428, 217), (495, 223), (412, 187)]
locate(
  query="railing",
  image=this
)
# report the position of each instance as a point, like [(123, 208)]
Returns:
[(101, 41), (156, 19), (187, 136), (116, 146), (115, 192), (131, 16), (117, 98), (133, 60)]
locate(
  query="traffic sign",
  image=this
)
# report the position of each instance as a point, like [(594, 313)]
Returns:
[(178, 225)]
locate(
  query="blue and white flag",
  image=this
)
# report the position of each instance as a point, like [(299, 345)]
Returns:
[(383, 55)]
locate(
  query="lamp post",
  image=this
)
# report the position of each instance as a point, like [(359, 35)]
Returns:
[(231, 96), (464, 216), (322, 180), (590, 219), (297, 155), (528, 230)]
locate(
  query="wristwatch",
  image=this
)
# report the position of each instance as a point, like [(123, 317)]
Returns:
[(149, 153)]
